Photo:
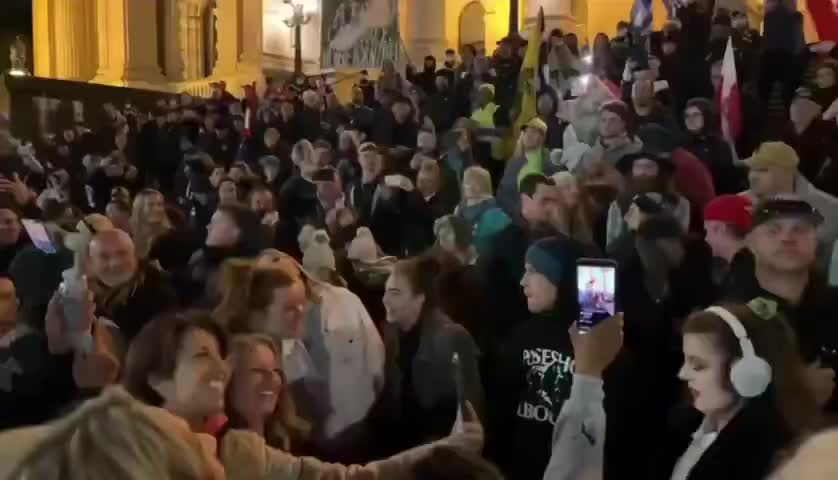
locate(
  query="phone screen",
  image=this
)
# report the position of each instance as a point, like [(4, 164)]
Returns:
[(39, 236), (597, 288)]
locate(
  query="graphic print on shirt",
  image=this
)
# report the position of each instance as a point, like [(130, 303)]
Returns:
[(548, 376)]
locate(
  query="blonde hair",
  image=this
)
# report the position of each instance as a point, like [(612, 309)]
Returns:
[(116, 437), (284, 427), (143, 232), (480, 177), (814, 460), (246, 289)]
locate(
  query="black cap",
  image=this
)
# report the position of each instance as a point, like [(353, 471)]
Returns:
[(664, 163), (773, 209), (662, 226), (649, 203)]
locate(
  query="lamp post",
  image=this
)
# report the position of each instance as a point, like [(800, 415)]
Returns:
[(513, 16), (296, 21)]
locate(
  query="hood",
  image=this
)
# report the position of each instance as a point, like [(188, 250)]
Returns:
[(712, 122)]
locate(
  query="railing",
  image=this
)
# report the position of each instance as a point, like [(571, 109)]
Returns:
[(197, 88)]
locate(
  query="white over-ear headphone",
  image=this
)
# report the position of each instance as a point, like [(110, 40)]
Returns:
[(750, 375)]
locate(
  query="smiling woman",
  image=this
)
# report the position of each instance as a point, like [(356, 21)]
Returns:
[(178, 362), (258, 397)]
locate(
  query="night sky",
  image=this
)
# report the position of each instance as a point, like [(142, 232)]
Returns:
[(16, 15)]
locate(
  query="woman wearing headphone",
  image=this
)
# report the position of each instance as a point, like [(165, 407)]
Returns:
[(749, 399)]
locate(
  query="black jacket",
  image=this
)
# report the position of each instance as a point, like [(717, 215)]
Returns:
[(153, 293), (812, 319), (420, 394), (746, 449), (34, 385), (716, 154)]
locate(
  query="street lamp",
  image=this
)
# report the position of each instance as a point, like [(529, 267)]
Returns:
[(296, 21)]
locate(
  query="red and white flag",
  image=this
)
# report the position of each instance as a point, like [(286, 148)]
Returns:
[(730, 100), (825, 15)]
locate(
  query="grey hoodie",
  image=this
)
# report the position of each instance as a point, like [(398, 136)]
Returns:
[(579, 434)]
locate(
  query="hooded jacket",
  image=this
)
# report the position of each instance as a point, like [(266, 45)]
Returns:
[(713, 151)]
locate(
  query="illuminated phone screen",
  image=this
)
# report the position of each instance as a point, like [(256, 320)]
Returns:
[(597, 289)]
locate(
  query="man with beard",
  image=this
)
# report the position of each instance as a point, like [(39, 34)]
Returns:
[(666, 276), (126, 292), (781, 254), (645, 173)]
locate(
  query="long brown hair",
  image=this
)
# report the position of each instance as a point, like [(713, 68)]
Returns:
[(154, 351), (284, 428), (774, 341), (145, 233), (245, 290)]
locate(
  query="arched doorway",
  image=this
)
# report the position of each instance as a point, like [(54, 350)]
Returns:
[(473, 25)]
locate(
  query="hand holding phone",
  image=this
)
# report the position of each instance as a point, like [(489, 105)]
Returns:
[(595, 349), (462, 406), (39, 236)]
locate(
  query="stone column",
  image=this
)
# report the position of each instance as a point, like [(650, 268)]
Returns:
[(127, 38), (251, 36), (174, 47), (557, 14), (110, 31), (42, 38), (70, 47), (228, 24), (427, 30), (141, 66)]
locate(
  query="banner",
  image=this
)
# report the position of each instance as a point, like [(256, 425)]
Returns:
[(360, 33)]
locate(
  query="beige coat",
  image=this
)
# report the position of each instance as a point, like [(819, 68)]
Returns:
[(246, 457)]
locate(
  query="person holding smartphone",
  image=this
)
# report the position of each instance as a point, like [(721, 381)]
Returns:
[(533, 377)]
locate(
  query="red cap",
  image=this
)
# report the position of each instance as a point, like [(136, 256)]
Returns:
[(734, 210)]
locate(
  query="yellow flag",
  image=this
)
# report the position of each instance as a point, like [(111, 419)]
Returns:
[(528, 80)]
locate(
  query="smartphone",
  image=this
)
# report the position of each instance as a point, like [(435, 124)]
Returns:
[(596, 280), (393, 181), (39, 235), (458, 381)]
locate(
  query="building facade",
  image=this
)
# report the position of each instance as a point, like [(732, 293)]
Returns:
[(184, 45)]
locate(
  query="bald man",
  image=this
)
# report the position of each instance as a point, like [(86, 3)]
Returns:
[(127, 292)]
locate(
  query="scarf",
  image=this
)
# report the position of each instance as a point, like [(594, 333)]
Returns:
[(108, 298)]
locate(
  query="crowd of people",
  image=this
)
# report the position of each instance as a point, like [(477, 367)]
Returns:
[(286, 286)]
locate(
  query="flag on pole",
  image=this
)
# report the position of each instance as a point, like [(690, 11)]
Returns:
[(528, 82), (671, 7), (641, 16), (730, 101), (825, 15)]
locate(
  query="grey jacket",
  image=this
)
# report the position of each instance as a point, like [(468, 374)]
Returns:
[(432, 368), (579, 434), (611, 155)]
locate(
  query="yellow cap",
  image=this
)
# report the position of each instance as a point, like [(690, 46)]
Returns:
[(774, 155), (537, 123)]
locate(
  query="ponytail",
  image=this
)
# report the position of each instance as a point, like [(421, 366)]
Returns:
[(234, 285), (246, 289)]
